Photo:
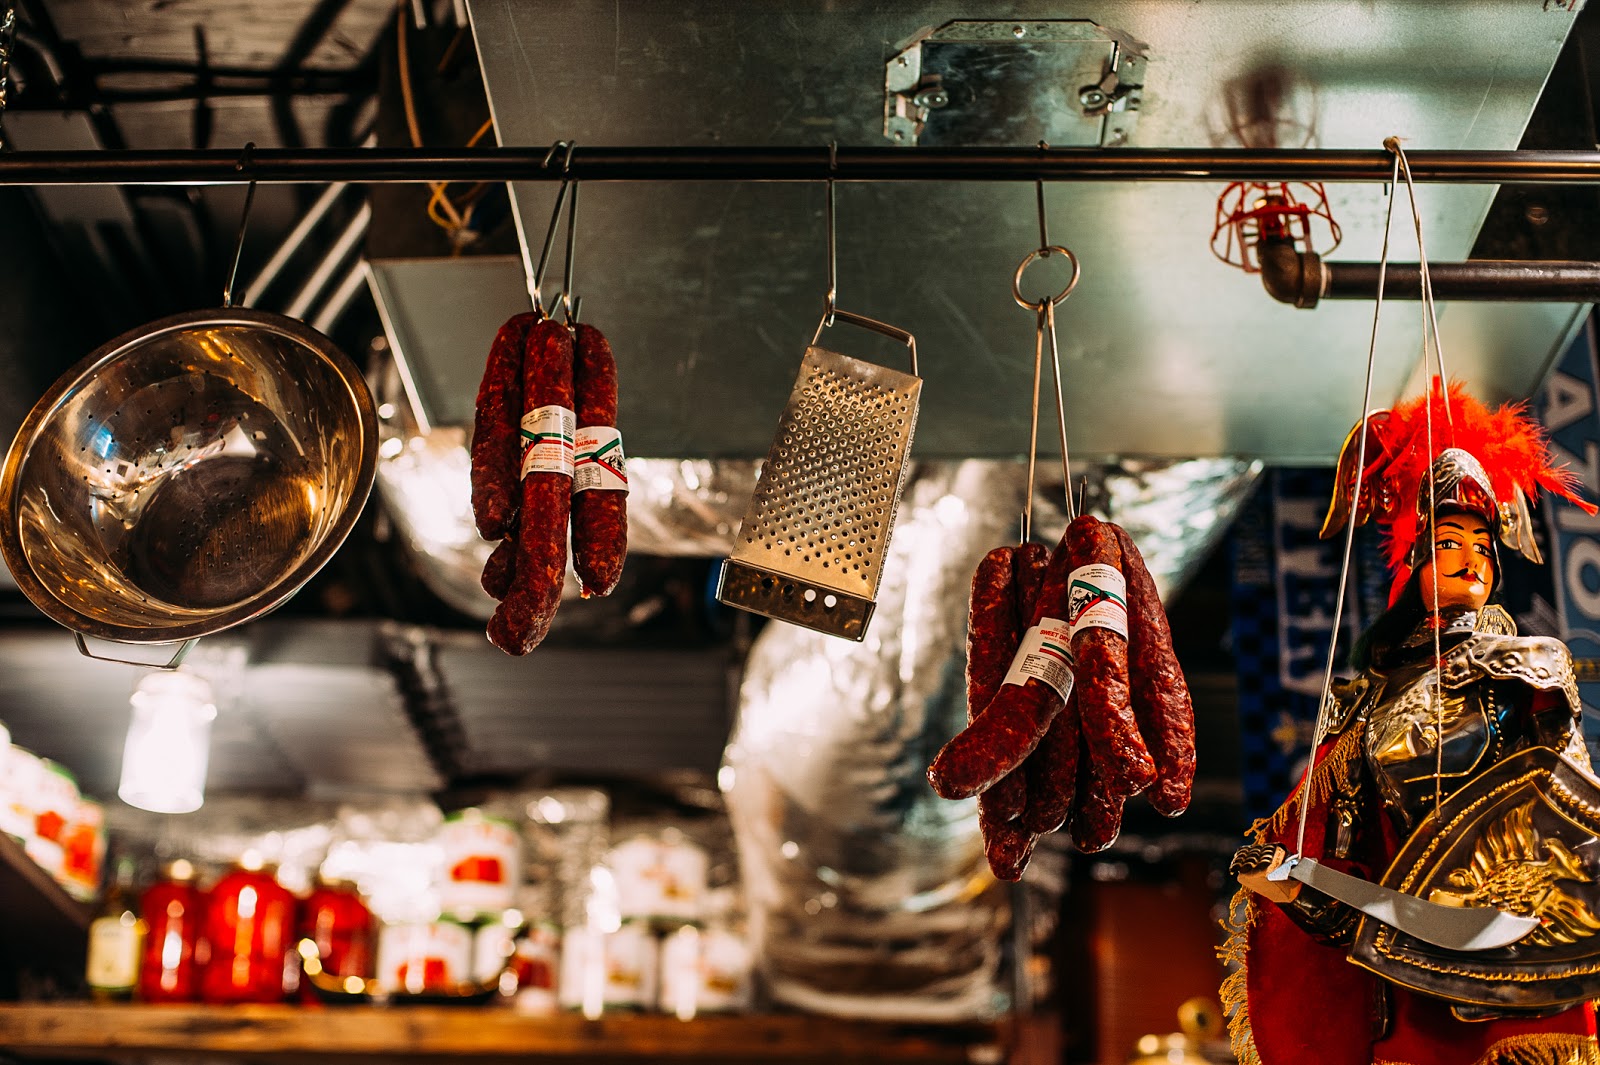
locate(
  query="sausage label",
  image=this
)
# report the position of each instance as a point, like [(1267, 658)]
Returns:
[(1045, 655), (600, 462), (547, 434), (1097, 597)]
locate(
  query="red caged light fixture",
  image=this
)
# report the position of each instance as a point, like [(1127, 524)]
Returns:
[(1249, 212)]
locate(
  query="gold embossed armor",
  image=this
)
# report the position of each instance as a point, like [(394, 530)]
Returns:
[(1523, 836)]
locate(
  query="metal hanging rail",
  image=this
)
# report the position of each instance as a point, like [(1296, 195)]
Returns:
[(403, 165)]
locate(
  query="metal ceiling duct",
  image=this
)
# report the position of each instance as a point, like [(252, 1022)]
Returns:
[(866, 890)]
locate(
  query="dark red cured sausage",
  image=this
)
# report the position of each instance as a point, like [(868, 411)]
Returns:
[(1110, 730), (992, 636), (501, 567), (991, 627), (1008, 847), (1052, 772), (496, 447), (1008, 730), (1033, 562), (1006, 798), (1160, 696), (599, 516), (1097, 820), (524, 617)]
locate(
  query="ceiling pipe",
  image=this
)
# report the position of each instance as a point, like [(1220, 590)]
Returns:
[(1301, 279), (677, 163)]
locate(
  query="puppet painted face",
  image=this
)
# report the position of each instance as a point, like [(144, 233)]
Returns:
[(1464, 551)]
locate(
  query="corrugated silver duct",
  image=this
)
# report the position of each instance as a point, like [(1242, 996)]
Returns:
[(1176, 510), (869, 896)]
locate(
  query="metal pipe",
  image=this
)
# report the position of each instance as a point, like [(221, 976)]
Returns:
[(291, 244), (355, 279), (1492, 280), (1304, 278), (414, 165), (342, 247)]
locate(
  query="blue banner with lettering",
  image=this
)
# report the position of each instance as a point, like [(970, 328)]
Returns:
[(1569, 405), (1285, 585)]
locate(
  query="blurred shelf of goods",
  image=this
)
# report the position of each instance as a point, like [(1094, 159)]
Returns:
[(521, 902), (61, 830)]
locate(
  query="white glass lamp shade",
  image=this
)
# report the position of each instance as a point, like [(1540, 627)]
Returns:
[(169, 744)]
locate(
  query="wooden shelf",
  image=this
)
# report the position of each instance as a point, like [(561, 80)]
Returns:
[(38, 919), (279, 1034)]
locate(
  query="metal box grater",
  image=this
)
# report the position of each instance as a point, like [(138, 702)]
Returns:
[(810, 550)]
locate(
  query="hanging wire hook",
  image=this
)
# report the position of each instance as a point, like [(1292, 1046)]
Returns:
[(1044, 229), (569, 306), (569, 302), (1320, 728), (536, 281), (830, 301), (1430, 316), (1049, 314), (244, 220)]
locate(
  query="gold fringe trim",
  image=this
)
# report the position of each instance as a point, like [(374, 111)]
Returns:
[(1536, 1049), (1242, 914), (1335, 763)]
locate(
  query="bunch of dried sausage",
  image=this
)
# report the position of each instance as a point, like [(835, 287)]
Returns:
[(1074, 695), (546, 454)]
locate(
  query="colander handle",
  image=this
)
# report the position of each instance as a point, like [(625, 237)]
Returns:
[(833, 314), (173, 663)]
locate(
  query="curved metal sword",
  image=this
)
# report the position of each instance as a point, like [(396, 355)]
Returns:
[(1452, 927)]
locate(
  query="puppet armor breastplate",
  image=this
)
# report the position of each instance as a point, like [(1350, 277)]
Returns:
[(1418, 730)]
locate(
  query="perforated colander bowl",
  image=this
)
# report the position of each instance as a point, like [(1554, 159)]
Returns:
[(187, 476)]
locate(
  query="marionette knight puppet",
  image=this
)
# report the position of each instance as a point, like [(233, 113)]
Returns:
[(1452, 790)]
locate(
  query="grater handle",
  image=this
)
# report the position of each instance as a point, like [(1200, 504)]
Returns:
[(833, 315)]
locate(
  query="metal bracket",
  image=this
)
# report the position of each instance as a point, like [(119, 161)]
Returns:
[(1069, 82)]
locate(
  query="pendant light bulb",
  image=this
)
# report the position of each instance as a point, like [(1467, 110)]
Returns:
[(169, 744)]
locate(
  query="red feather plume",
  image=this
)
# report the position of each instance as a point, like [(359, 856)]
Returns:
[(1510, 445)]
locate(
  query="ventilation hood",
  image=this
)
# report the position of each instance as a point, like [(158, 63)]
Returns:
[(710, 290)]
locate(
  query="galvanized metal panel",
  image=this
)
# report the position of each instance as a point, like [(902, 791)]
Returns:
[(440, 316), (616, 711), (710, 291)]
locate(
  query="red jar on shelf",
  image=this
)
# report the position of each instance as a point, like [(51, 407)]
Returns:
[(250, 929), (339, 923), (174, 909)]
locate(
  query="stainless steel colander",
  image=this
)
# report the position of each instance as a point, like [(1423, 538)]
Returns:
[(187, 476)]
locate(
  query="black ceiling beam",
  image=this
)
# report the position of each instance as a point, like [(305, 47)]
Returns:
[(413, 165)]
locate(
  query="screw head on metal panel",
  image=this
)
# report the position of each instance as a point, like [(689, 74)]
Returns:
[(1092, 98), (932, 98)]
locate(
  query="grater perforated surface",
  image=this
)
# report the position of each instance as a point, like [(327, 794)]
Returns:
[(824, 507)]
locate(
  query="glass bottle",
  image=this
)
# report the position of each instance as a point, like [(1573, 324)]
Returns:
[(174, 909), (339, 923), (249, 925), (116, 939)]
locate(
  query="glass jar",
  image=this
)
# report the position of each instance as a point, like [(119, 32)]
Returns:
[(339, 923), (415, 959), (174, 910), (83, 851), (482, 864), (249, 927)]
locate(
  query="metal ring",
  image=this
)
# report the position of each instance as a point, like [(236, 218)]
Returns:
[(1040, 253)]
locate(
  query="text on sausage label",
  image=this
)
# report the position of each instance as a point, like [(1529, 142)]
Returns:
[(1097, 596), (1045, 655), (600, 462), (547, 444)]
